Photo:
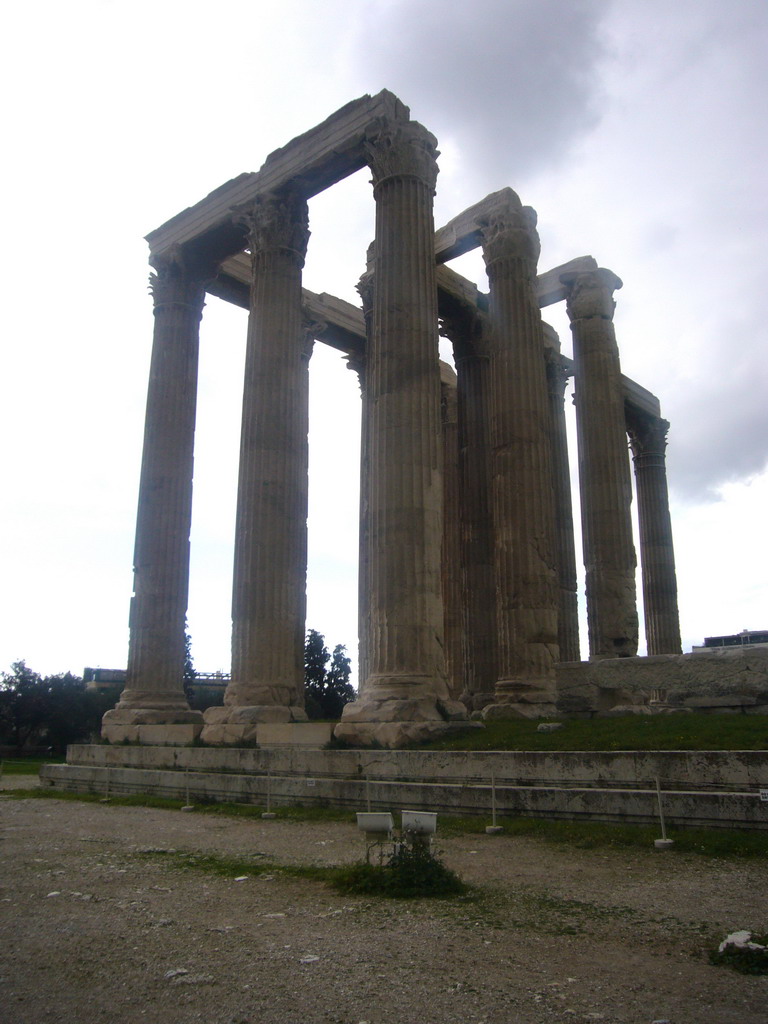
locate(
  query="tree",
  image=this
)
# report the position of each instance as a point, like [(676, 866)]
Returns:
[(51, 711), (22, 705), (326, 687), (188, 679)]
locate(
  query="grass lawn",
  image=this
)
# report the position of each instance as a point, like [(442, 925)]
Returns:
[(682, 731), (26, 765)]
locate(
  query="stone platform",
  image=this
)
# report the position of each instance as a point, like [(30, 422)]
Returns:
[(714, 789)]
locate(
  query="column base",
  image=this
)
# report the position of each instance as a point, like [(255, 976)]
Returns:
[(496, 712), (517, 698), (152, 726), (398, 722), (233, 725), (475, 702)]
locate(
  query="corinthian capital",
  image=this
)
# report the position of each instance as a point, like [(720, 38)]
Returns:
[(278, 221), (467, 329), (590, 293), (648, 435), (403, 150), (180, 280), (510, 233)]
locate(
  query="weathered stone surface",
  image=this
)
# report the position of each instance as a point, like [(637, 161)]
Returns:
[(606, 489), (167, 734), (545, 708), (269, 584), (648, 440), (719, 679), (520, 438), (161, 556), (150, 716), (299, 734), (399, 733), (229, 735)]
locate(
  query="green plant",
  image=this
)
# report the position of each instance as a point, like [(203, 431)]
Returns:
[(413, 871)]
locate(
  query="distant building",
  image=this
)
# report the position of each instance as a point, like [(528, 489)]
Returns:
[(112, 680), (746, 638)]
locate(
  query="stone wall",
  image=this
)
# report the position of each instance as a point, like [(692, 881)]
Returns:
[(720, 681)]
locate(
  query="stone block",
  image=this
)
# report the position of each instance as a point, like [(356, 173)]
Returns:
[(625, 709), (258, 713), (229, 735), (518, 709), (394, 735), (301, 734), (119, 733), (731, 701), (173, 734)]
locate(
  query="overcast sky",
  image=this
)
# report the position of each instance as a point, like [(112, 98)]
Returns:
[(636, 129)]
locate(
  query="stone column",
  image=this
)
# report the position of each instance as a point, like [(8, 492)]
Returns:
[(270, 568), (606, 492), (648, 440), (453, 592), (358, 364), (405, 695), (568, 613), (523, 499), (153, 707), (468, 333)]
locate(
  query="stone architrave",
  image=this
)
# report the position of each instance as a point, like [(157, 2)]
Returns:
[(405, 694), (153, 701), (270, 567), (523, 499), (468, 331), (452, 584), (648, 441), (606, 490), (568, 612)]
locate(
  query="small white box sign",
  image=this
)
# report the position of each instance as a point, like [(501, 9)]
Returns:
[(311, 782), (764, 795)]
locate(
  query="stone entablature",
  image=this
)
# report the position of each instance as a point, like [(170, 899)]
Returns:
[(468, 469)]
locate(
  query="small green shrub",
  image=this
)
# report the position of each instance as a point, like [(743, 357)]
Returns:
[(411, 872)]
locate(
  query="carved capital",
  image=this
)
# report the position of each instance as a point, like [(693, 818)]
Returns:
[(511, 234), (277, 222), (467, 330), (365, 291), (403, 151), (590, 293), (648, 436), (311, 329), (356, 362), (179, 280), (558, 372)]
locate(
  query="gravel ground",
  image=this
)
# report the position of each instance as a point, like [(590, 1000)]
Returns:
[(93, 931)]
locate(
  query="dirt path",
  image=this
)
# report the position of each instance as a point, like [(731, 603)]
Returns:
[(95, 931)]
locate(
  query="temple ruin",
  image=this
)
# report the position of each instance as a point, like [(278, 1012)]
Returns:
[(467, 592)]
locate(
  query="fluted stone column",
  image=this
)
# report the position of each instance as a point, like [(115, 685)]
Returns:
[(468, 333), (523, 499), (270, 567), (606, 492), (358, 364), (568, 613), (648, 440), (453, 592), (405, 694), (153, 707)]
